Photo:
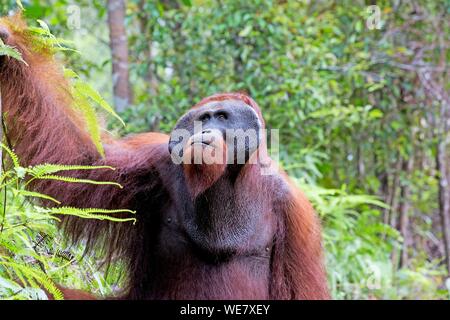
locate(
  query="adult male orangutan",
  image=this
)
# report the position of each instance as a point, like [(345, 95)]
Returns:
[(205, 230)]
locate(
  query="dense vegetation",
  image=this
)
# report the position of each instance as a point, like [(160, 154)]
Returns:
[(361, 103)]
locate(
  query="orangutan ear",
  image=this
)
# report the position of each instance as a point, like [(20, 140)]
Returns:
[(4, 33), (4, 36)]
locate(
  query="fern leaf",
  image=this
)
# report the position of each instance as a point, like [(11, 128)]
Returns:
[(27, 193), (12, 155), (43, 39), (90, 92), (36, 278), (91, 121), (7, 183), (46, 168), (92, 213), (20, 5), (78, 180), (44, 26), (97, 210), (5, 175), (70, 74), (9, 51)]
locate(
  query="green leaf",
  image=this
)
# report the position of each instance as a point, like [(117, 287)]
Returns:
[(246, 31), (44, 26), (70, 74), (12, 155), (375, 114), (92, 213), (34, 277), (77, 180), (43, 169), (89, 92), (91, 121), (20, 5), (9, 51), (27, 193)]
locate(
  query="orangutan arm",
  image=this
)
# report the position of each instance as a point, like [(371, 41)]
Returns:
[(298, 270)]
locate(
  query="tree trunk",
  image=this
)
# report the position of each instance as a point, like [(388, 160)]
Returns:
[(394, 207), (393, 201), (360, 159), (150, 78), (119, 51), (442, 166), (405, 208)]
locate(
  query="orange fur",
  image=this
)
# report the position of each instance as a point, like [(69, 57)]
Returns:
[(137, 141), (302, 258)]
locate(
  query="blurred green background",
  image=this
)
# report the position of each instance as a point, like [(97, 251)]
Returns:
[(359, 93)]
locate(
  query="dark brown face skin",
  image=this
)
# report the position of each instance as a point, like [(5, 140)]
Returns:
[(228, 118)]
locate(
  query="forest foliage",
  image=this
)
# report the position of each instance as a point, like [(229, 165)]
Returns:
[(356, 101)]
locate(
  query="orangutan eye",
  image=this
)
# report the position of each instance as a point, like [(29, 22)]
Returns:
[(205, 117), (222, 116)]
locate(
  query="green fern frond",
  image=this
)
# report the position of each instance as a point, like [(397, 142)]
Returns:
[(46, 38), (9, 51), (92, 213), (46, 168), (20, 5), (9, 182), (44, 27), (12, 155), (27, 193), (70, 74), (77, 180), (84, 94), (36, 278), (8, 245), (5, 175), (91, 121), (89, 92), (98, 210), (100, 217), (44, 41)]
